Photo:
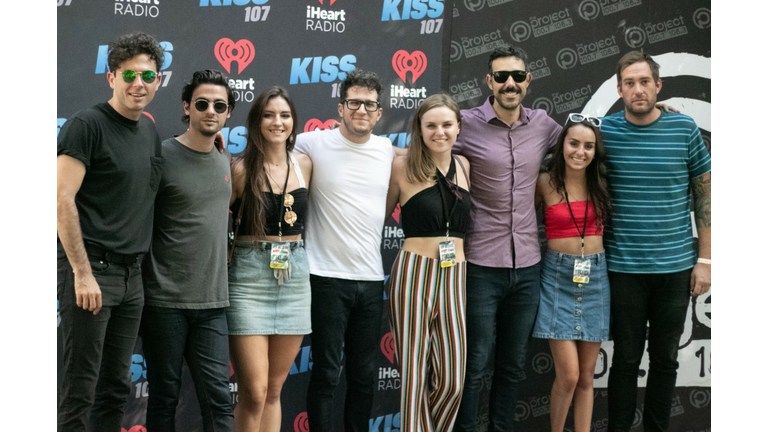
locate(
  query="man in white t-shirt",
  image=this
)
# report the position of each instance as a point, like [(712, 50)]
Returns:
[(347, 198)]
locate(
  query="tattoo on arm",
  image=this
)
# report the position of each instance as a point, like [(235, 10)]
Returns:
[(702, 200)]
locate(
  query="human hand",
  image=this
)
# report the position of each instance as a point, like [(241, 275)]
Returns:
[(219, 141), (666, 108), (88, 293), (701, 279)]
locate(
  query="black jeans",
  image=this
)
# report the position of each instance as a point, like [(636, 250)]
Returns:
[(655, 304), (346, 316), (201, 337), (98, 348), (506, 300)]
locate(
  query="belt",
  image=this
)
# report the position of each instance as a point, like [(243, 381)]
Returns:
[(266, 245), (111, 257)]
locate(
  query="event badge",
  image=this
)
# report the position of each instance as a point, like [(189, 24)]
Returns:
[(447, 254), (581, 268), (279, 257)]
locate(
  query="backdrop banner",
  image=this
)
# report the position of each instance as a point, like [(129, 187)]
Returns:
[(418, 48)]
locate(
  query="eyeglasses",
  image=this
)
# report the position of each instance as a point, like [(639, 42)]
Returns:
[(578, 118), (354, 104), (517, 75), (147, 76), (218, 106)]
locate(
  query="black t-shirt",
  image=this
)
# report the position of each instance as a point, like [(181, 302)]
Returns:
[(123, 165)]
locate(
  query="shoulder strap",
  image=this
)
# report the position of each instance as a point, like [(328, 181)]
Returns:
[(299, 174), (464, 171)]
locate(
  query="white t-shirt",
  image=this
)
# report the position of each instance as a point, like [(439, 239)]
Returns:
[(347, 202)]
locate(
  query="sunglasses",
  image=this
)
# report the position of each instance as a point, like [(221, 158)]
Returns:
[(218, 106), (578, 118), (517, 75), (147, 76)]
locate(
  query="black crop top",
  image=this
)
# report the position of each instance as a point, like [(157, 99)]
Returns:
[(424, 214), (299, 207)]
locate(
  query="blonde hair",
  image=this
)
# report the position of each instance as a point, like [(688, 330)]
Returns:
[(419, 166)]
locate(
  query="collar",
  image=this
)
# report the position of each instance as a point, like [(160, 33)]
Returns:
[(489, 114)]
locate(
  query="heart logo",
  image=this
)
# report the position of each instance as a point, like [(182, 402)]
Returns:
[(396, 213), (301, 424), (388, 347), (316, 124), (241, 52), (415, 62), (137, 428), (330, 3)]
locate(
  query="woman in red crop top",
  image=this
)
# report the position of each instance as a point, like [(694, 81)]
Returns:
[(269, 311), (574, 307), (428, 275)]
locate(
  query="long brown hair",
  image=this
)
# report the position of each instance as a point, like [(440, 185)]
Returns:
[(596, 173), (419, 166), (253, 158)]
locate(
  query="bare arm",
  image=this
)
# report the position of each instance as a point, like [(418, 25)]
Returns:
[(238, 179), (69, 177), (542, 185), (702, 209), (393, 194), (305, 163)]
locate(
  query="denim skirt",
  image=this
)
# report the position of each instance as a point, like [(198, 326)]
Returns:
[(257, 304), (570, 310)]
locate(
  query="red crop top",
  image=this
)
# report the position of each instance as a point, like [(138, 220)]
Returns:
[(560, 224)]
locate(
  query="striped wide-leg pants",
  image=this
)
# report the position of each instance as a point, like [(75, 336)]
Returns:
[(427, 319)]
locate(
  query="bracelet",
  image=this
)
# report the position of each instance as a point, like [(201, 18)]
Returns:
[(704, 261)]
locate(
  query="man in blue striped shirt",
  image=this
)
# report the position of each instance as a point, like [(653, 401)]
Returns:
[(654, 159)]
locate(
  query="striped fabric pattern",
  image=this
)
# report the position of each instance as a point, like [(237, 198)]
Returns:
[(649, 171), (427, 322)]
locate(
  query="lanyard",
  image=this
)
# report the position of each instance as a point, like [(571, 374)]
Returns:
[(584, 231), (274, 197), (439, 176)]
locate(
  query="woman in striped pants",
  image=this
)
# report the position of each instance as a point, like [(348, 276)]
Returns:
[(427, 279)]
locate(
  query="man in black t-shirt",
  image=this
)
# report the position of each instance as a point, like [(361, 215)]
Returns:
[(109, 166)]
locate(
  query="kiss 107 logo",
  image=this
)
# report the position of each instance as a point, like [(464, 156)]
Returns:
[(256, 13), (398, 10)]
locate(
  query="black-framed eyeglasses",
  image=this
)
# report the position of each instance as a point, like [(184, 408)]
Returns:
[(147, 76), (518, 76), (354, 104), (218, 106), (578, 118)]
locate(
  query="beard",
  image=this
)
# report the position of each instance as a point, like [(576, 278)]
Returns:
[(510, 105)]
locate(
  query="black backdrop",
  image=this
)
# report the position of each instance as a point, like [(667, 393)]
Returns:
[(418, 47)]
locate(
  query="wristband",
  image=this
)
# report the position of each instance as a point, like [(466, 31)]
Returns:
[(704, 261)]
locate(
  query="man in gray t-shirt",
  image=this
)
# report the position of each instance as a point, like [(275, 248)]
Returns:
[(185, 272)]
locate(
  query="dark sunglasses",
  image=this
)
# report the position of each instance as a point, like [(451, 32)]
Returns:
[(517, 75), (147, 76), (218, 106), (578, 118)]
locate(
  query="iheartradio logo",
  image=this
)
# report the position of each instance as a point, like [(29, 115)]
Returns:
[(137, 428), (301, 424), (241, 52), (404, 62), (388, 347), (317, 124), (330, 2)]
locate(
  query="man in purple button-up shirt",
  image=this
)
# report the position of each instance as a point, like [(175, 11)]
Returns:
[(505, 144)]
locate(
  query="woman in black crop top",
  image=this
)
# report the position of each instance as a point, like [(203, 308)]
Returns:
[(428, 276), (269, 311)]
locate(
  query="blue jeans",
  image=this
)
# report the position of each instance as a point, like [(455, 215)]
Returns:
[(98, 348), (346, 316), (505, 299), (656, 305), (200, 336)]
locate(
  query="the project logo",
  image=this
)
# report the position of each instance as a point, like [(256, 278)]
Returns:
[(328, 21), (311, 70), (700, 398), (387, 346), (301, 423), (702, 18), (317, 124), (541, 25), (143, 8), (539, 405), (571, 100), (636, 37), (228, 51), (466, 90), (397, 10), (542, 363), (677, 407), (539, 68), (385, 423), (522, 411), (473, 46), (456, 51), (591, 9), (543, 103), (587, 52), (474, 5)]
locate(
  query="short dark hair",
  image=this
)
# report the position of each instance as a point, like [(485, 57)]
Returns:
[(208, 76), (507, 51), (633, 57), (129, 46), (360, 78)]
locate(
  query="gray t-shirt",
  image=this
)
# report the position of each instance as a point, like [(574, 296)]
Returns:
[(186, 267)]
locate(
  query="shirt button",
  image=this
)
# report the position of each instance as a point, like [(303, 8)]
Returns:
[(578, 327), (578, 312), (578, 299), (580, 285)]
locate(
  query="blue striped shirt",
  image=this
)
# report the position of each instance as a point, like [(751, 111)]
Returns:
[(649, 172)]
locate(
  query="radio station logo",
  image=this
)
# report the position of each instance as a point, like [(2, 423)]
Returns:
[(385, 423), (399, 139), (537, 406), (600, 425), (310, 70), (301, 423), (302, 363), (539, 68), (476, 5), (539, 26), (139, 376), (677, 407), (542, 363), (522, 411), (393, 239), (700, 398), (327, 21), (317, 124), (404, 62), (591, 9), (235, 138), (143, 8), (472, 46), (59, 123), (543, 103), (255, 10), (398, 10), (387, 346), (135, 428), (636, 37), (330, 2), (702, 18), (102, 64), (571, 100), (63, 3), (588, 52), (466, 90), (240, 54)]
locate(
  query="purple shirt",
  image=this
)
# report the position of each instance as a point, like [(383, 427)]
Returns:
[(505, 163)]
